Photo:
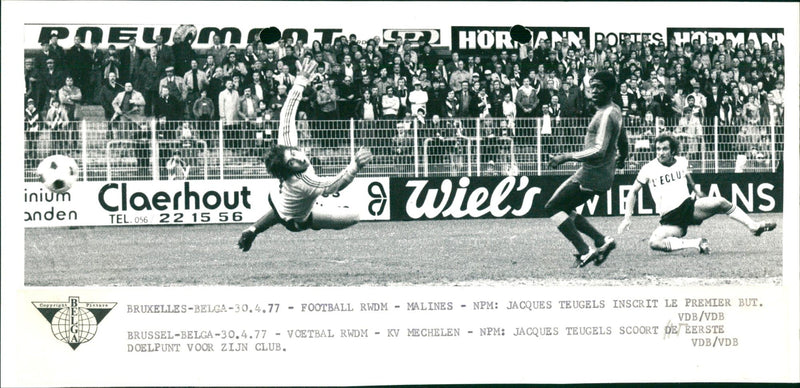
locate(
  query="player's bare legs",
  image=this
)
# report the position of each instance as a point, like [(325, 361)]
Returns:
[(333, 217), (707, 207), (669, 238)]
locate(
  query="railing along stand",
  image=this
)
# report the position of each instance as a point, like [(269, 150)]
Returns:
[(154, 154), (84, 149)]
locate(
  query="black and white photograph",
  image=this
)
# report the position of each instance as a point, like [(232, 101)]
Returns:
[(399, 193)]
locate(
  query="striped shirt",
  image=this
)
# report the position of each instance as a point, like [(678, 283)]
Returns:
[(296, 196), (600, 149)]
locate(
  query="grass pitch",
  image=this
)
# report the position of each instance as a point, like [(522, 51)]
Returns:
[(460, 252)]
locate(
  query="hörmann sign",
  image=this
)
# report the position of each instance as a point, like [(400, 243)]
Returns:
[(719, 35), (489, 40)]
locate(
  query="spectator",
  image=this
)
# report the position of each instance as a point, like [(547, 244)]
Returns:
[(649, 104), (290, 60), (249, 113), (31, 133), (130, 59), (218, 50), (52, 79), (690, 129), (232, 66), (390, 104), (107, 92), (752, 111), (285, 78), (33, 85), (166, 57), (458, 76), (547, 92), (111, 62), (57, 123), (526, 99), (327, 98), (259, 87), (451, 105), (776, 107), (195, 81), (347, 97), (465, 97), (78, 63), (168, 111), (128, 108), (569, 95), (496, 93), (229, 115), (203, 112), (175, 85), (210, 66), (401, 90), (43, 56), (366, 108), (148, 81), (249, 58), (509, 109), (70, 96), (95, 70), (436, 97), (482, 106), (383, 82), (276, 103), (624, 98)]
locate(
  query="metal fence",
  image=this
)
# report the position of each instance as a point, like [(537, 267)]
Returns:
[(158, 150)]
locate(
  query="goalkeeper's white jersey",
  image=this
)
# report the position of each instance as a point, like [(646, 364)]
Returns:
[(296, 196), (668, 184)]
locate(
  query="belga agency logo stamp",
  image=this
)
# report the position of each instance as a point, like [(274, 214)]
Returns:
[(74, 322)]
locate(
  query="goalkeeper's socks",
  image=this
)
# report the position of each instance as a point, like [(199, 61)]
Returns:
[(676, 244)]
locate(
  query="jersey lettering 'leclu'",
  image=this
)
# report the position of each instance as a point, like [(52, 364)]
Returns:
[(297, 195), (600, 149), (668, 184)]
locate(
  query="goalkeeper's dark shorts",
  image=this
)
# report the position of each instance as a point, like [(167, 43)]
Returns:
[(292, 225), (682, 216)]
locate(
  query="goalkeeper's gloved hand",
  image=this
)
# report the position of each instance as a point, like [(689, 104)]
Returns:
[(246, 240)]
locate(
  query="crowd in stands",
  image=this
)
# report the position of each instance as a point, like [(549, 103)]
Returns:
[(659, 82)]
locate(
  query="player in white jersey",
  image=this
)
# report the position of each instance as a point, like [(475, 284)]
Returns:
[(670, 183), (294, 203)]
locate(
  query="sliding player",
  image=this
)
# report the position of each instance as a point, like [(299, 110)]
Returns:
[(670, 182), (294, 203), (603, 137)]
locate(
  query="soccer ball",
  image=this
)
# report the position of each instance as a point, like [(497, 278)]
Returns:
[(58, 173)]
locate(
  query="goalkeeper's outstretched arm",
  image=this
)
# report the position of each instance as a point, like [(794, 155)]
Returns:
[(287, 129)]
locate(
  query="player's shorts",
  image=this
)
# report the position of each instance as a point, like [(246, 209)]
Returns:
[(568, 196), (292, 225), (681, 216)]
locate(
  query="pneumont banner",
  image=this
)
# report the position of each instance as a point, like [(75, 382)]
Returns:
[(180, 202), (516, 197), (239, 35)]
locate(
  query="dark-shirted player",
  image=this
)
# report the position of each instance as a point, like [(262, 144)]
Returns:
[(604, 137), (670, 182)]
